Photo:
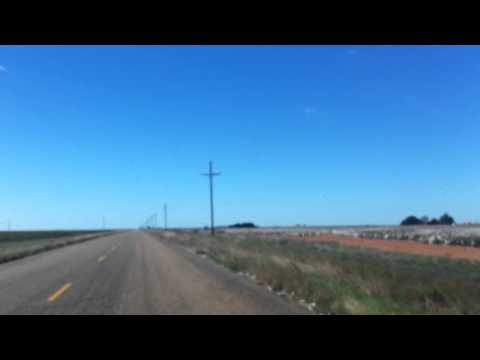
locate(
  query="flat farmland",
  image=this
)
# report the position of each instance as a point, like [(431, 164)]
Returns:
[(460, 242), (18, 244)]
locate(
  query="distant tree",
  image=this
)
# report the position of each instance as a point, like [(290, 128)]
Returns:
[(411, 220), (433, 222), (243, 225), (424, 219), (446, 219)]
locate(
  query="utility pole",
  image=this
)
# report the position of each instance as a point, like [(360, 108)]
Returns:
[(165, 216), (210, 175)]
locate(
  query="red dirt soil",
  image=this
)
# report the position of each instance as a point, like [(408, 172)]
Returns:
[(404, 246)]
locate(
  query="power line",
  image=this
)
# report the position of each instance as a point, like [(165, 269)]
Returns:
[(151, 222), (210, 175)]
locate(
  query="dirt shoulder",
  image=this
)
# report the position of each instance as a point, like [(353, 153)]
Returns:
[(166, 278)]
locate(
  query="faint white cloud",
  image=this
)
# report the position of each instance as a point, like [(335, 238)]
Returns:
[(309, 110), (3, 68)]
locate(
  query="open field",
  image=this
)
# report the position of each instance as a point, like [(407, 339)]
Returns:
[(466, 235), (18, 244), (331, 278), (402, 246), (16, 236)]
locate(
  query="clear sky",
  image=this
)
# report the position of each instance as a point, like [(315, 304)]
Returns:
[(301, 134)]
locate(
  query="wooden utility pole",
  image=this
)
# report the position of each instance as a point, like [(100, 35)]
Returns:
[(210, 175), (165, 216)]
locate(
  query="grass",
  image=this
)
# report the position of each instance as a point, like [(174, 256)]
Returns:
[(347, 280), (16, 245), (21, 244), (15, 236)]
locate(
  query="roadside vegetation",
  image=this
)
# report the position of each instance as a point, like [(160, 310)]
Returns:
[(344, 280), (13, 236), (19, 244)]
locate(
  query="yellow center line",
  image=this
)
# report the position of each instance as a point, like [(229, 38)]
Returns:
[(101, 258), (59, 292)]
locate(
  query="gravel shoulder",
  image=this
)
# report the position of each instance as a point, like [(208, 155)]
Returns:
[(190, 284)]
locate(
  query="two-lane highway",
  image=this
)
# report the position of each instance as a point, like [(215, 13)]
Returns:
[(129, 273)]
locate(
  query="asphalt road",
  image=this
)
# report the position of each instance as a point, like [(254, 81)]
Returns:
[(130, 273)]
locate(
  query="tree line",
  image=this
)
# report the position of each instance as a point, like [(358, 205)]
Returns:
[(445, 219), (243, 225)]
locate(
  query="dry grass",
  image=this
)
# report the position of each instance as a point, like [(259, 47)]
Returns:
[(23, 248), (346, 280)]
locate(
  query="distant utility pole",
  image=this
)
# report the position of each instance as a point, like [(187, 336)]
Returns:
[(165, 216), (210, 175), (7, 223)]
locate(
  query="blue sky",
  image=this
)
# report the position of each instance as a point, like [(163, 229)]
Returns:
[(301, 134)]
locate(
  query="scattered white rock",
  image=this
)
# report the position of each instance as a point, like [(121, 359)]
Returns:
[(311, 307), (433, 239)]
